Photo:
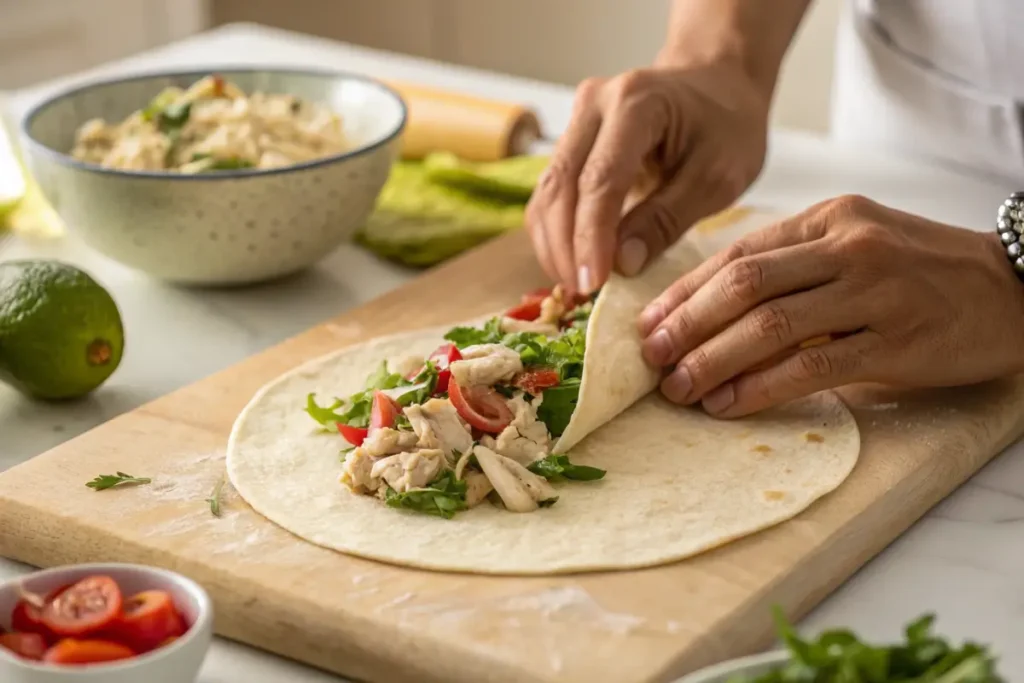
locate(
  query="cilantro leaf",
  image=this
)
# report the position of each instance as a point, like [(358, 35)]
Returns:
[(558, 466), (173, 116), (109, 481), (557, 405), (443, 497)]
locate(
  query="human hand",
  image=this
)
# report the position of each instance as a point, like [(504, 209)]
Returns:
[(907, 301), (701, 129)]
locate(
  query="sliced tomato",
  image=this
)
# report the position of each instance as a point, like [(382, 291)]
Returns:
[(354, 435), (527, 310), (384, 411), (27, 645), (27, 618), (85, 607), (92, 651), (444, 356), (147, 620), (535, 381), (482, 407)]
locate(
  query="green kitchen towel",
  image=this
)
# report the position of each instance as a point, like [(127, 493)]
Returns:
[(432, 210)]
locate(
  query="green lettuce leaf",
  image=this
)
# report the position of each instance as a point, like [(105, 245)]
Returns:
[(443, 497), (557, 405)]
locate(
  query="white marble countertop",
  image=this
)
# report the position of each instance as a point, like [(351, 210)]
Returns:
[(963, 561)]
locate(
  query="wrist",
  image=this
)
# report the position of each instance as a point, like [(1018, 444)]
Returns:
[(1011, 293), (726, 56)]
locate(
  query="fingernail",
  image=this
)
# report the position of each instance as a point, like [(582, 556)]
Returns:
[(584, 280), (659, 347), (719, 399), (651, 317), (678, 385), (632, 256)]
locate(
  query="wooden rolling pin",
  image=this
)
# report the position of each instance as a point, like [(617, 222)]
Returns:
[(472, 128)]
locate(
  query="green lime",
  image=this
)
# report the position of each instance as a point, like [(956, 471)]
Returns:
[(60, 331)]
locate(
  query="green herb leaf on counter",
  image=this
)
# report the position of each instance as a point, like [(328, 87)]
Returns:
[(557, 405), (557, 466), (109, 481), (443, 497), (214, 499), (839, 656)]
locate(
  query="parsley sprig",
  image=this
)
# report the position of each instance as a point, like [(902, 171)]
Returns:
[(557, 467), (109, 481)]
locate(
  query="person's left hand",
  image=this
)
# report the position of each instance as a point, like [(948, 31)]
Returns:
[(907, 301)]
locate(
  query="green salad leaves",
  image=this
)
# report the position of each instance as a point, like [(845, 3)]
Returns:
[(558, 467), (355, 412), (839, 656), (442, 497)]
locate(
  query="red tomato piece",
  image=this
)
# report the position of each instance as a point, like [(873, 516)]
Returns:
[(528, 310), (27, 645), (354, 435), (27, 618), (482, 407), (535, 381), (85, 607), (444, 356), (74, 651), (147, 620), (384, 411)]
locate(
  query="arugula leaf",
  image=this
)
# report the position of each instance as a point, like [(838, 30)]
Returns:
[(557, 405), (109, 481), (490, 333), (356, 410), (356, 413), (558, 466), (839, 656), (443, 497)]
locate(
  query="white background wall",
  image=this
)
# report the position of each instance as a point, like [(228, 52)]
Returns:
[(554, 40)]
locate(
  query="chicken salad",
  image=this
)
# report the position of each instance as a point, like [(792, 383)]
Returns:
[(213, 125), (475, 420)]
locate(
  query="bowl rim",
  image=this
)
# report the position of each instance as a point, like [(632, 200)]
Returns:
[(737, 665), (202, 622), (67, 160)]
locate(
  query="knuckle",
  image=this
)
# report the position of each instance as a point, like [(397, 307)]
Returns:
[(554, 179), (847, 206), (698, 364), (812, 364), (743, 280), (736, 251), (629, 84), (771, 323), (587, 92), (680, 328), (600, 174), (663, 225)]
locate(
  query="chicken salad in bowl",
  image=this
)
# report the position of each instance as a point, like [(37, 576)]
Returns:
[(213, 125)]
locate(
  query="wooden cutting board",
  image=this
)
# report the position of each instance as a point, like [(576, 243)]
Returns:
[(384, 623)]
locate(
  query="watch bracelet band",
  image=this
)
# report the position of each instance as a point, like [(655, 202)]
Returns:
[(1010, 225)]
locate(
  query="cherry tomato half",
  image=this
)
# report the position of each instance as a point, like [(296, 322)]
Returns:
[(85, 607), (27, 645), (147, 620), (354, 435), (74, 651), (444, 356), (384, 411), (482, 407), (26, 618), (535, 381)]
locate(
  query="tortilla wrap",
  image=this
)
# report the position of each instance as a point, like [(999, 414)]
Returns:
[(678, 481)]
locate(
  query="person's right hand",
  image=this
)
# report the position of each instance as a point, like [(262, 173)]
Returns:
[(703, 130)]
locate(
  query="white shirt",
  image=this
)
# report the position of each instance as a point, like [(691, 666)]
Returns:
[(938, 79)]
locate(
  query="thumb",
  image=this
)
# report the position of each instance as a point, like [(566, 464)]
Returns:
[(656, 222)]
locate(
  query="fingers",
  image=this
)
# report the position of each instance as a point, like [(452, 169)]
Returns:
[(732, 292), (614, 164), (808, 371), (762, 338), (550, 216), (800, 229)]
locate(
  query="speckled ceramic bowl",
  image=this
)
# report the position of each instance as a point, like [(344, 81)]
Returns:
[(230, 227)]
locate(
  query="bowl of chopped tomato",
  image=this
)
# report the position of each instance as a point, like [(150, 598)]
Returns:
[(115, 623)]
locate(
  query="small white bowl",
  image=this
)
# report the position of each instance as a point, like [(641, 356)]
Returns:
[(178, 662), (749, 667)]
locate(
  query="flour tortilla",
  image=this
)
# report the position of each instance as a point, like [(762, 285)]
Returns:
[(678, 482)]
